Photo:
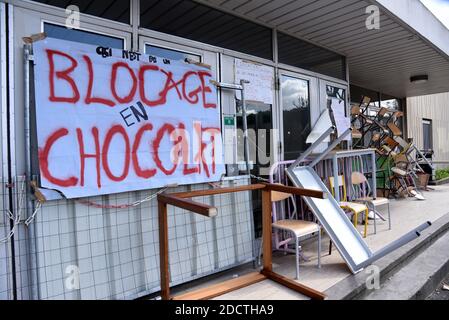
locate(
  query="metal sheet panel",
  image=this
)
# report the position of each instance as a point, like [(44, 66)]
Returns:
[(333, 219)]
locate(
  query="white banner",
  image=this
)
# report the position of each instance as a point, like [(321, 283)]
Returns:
[(110, 121)]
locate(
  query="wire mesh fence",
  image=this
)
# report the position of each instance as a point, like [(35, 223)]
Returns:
[(4, 248), (99, 248), (13, 202)]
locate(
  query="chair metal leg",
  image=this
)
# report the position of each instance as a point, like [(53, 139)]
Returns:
[(259, 260), (366, 222), (404, 186), (319, 249), (389, 216), (375, 219), (330, 247), (297, 257)]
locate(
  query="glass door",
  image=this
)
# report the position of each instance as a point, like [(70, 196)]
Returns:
[(261, 122), (296, 100), (260, 117)]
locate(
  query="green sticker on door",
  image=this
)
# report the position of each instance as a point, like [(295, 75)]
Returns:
[(229, 121)]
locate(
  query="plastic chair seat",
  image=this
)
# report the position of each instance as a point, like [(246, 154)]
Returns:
[(356, 134), (357, 207), (399, 171), (378, 202), (298, 227), (394, 129), (359, 180)]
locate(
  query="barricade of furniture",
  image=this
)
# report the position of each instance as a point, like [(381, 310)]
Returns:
[(184, 201)]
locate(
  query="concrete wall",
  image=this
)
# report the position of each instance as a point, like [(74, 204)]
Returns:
[(436, 108)]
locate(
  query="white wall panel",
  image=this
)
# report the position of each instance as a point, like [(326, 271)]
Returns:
[(436, 108)]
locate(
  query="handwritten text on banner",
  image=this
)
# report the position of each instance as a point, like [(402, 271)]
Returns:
[(112, 121)]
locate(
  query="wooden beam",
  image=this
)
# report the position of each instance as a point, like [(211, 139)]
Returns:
[(267, 229), (297, 191), (310, 292), (163, 250), (187, 204), (179, 200), (212, 192), (223, 287)]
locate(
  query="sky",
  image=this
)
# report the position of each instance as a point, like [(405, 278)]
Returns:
[(440, 9)]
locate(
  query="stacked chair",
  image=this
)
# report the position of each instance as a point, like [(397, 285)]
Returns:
[(381, 130)]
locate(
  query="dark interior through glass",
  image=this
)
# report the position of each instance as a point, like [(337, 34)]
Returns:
[(191, 20), (62, 33), (427, 135), (260, 122), (170, 53), (302, 54), (296, 115), (117, 10)]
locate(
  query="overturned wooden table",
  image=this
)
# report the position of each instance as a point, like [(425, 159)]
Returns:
[(184, 200)]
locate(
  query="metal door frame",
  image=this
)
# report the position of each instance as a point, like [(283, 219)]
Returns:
[(313, 97), (323, 95)]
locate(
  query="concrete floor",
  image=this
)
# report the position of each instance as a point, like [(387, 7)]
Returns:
[(405, 214)]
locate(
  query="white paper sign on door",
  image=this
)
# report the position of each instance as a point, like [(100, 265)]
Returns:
[(261, 81)]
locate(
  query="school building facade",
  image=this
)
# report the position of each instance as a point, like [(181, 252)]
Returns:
[(310, 49)]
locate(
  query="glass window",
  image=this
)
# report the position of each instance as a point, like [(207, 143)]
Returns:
[(191, 20), (357, 94), (335, 92), (296, 115), (117, 10), (427, 135), (301, 54), (60, 32), (392, 104), (260, 122), (338, 100), (170, 53)]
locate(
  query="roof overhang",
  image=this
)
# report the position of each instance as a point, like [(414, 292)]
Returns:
[(411, 40)]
